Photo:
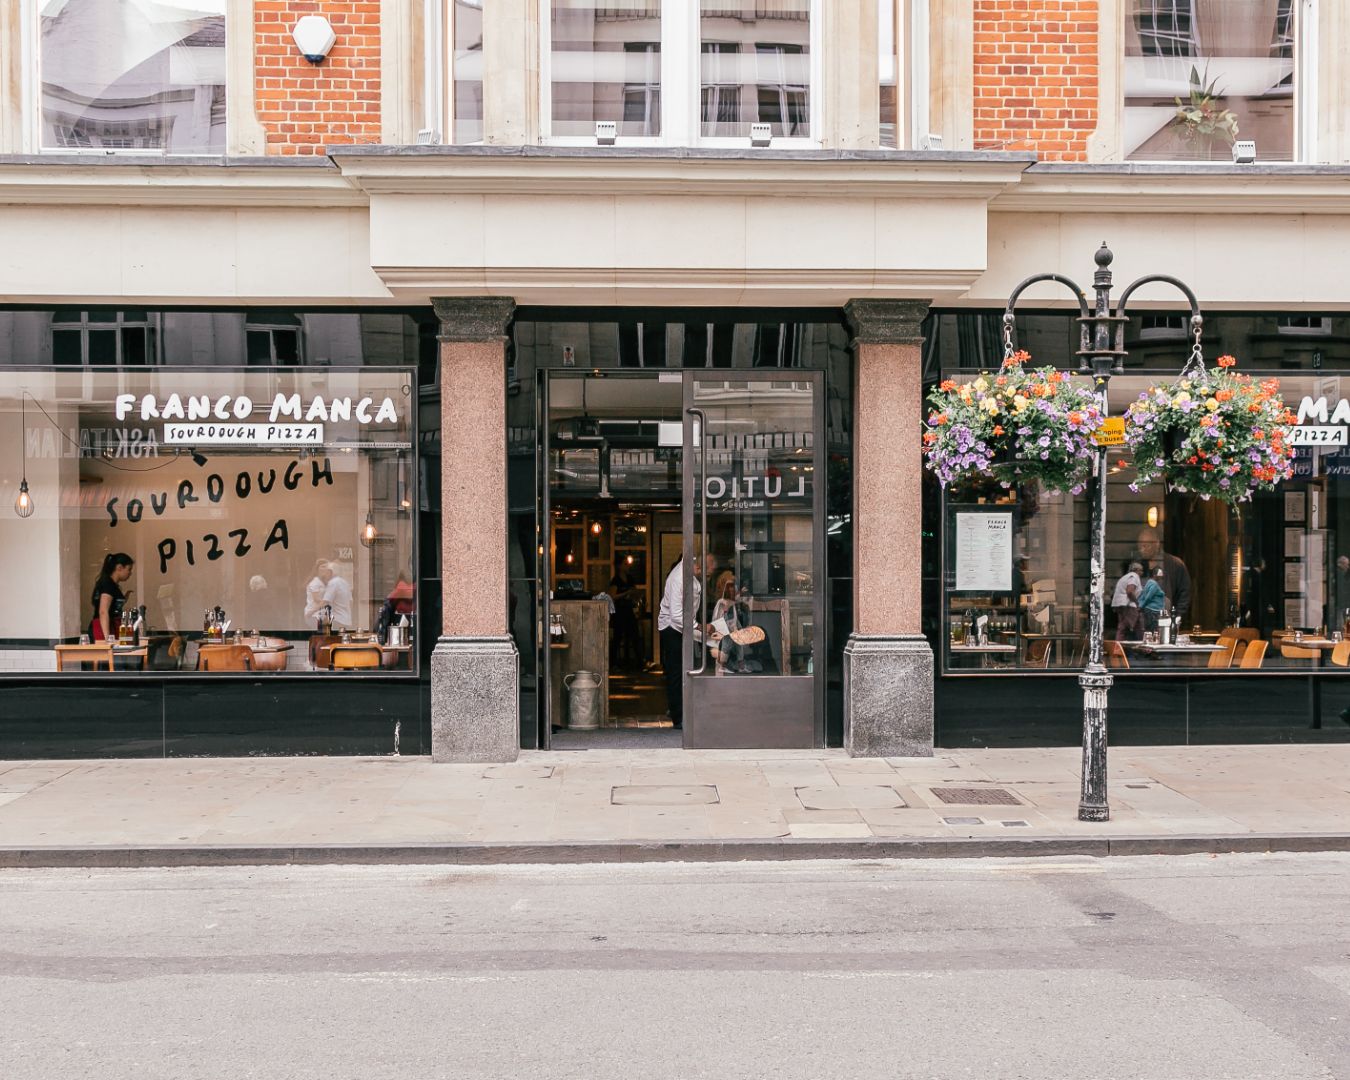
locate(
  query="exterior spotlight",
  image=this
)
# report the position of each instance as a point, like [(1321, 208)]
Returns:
[(314, 37), (606, 132), (1244, 152)]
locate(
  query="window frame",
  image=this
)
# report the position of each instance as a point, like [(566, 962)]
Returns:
[(151, 325), (30, 31), (681, 84)]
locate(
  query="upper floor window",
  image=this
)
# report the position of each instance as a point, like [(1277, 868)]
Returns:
[(132, 75), (103, 338), (674, 72), (1202, 74)]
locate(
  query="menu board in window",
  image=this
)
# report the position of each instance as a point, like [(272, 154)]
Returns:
[(984, 553)]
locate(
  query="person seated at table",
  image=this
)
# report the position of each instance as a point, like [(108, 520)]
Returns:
[(727, 613), (108, 598), (1125, 602), (1152, 599)]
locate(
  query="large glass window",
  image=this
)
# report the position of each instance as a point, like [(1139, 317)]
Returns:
[(605, 65), (467, 71), (1200, 74), (190, 520), (1271, 576), (131, 75)]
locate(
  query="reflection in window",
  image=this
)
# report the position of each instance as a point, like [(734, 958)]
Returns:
[(468, 71), (273, 339), (605, 64), (756, 67), (1200, 74), (130, 75), (103, 338)]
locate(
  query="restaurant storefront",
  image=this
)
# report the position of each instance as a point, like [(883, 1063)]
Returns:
[(217, 549), (1255, 599)]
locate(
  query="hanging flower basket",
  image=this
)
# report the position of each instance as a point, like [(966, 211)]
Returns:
[(1018, 425), (1213, 433)]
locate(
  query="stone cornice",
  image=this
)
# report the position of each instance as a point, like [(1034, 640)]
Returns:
[(886, 322), (76, 181), (1178, 189), (554, 171)]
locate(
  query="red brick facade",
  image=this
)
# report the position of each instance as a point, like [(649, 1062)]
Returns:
[(1036, 76), (302, 106)]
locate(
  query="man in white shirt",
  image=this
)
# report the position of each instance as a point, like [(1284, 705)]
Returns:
[(670, 626), (337, 595)]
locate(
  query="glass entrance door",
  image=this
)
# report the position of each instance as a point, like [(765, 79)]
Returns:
[(753, 548)]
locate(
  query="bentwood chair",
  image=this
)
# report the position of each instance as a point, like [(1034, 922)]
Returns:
[(224, 658), (1223, 659), (353, 657), (1340, 655), (1038, 653), (1113, 652), (1298, 652), (100, 656), (1255, 654)]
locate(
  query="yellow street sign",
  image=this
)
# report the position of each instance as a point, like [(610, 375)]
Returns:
[(1111, 433)]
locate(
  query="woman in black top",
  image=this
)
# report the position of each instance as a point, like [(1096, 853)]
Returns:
[(108, 598)]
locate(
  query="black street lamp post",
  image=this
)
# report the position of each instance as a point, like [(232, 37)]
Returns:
[(1101, 353)]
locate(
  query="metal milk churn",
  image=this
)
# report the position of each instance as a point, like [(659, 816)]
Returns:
[(583, 705)]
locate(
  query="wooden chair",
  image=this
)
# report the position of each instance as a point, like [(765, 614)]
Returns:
[(1340, 655), (224, 658), (100, 655), (1255, 653), (1113, 652), (1224, 659), (1298, 652), (318, 648), (1038, 653), (353, 657)]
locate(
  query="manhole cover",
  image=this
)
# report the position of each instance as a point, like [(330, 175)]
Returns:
[(970, 796), (1016, 825), (663, 795)]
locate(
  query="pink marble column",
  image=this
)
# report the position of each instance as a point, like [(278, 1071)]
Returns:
[(475, 669), (888, 663)]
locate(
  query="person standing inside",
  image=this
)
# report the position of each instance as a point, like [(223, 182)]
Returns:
[(108, 598), (670, 623), (314, 591), (1168, 571), (337, 595), (1125, 602)]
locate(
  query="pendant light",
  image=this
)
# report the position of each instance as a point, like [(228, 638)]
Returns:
[(23, 505), (368, 531)]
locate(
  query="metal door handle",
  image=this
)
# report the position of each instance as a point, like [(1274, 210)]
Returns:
[(701, 644)]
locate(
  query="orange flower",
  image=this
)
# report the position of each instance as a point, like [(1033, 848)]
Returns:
[(940, 419), (1075, 418), (998, 429), (1227, 362), (1223, 395), (1001, 381), (929, 437), (947, 384)]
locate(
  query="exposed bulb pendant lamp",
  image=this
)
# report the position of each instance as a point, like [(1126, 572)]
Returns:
[(23, 505), (368, 531)]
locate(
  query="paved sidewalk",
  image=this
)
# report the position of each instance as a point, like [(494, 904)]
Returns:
[(611, 804)]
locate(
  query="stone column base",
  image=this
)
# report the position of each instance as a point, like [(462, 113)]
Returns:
[(888, 696), (475, 691)]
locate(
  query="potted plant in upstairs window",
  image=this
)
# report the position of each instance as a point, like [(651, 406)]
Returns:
[(1204, 126), (1213, 433), (1016, 425)]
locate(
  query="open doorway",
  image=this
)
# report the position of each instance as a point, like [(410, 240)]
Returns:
[(614, 465)]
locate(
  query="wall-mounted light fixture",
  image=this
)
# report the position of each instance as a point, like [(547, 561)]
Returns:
[(597, 528), (314, 37), (1152, 517), (23, 505)]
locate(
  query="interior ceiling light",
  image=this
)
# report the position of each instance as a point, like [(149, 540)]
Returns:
[(23, 505)]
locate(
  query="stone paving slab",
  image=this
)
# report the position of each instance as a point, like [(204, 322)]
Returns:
[(562, 805)]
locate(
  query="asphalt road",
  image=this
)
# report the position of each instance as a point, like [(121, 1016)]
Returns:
[(1185, 967)]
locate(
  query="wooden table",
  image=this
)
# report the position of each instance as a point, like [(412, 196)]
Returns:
[(984, 652)]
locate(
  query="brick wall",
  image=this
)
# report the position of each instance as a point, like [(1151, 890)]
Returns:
[(1036, 76), (302, 106)]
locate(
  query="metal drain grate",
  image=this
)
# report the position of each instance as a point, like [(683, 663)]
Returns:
[(970, 796)]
